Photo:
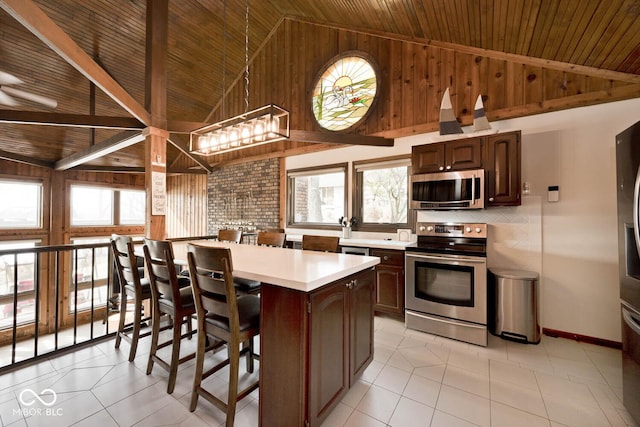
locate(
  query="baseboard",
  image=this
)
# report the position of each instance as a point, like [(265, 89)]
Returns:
[(582, 338)]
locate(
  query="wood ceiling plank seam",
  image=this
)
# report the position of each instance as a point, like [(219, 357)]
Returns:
[(486, 18), (475, 24), (441, 28), (619, 33), (544, 24), (421, 16), (500, 19), (559, 24), (513, 23), (610, 38), (580, 19), (595, 29), (528, 25), (432, 31), (633, 60), (625, 50), (465, 30), (448, 11)]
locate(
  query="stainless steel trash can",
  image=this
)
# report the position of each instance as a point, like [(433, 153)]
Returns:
[(513, 305)]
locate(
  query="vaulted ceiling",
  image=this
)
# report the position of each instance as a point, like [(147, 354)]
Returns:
[(206, 54)]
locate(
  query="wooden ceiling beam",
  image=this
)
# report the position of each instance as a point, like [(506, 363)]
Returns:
[(184, 148), (69, 120), (110, 145), (27, 13), (339, 138), (25, 159)]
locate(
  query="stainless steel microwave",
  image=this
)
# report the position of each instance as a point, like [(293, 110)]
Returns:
[(448, 190)]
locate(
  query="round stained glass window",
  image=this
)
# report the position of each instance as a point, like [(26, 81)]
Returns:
[(344, 92)]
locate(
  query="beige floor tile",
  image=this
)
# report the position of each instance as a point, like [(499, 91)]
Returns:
[(468, 406), (411, 413), (524, 399), (506, 416), (392, 379), (378, 403)]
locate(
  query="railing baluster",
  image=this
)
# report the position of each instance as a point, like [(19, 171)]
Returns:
[(75, 297), (57, 297), (93, 282), (37, 302), (15, 307)]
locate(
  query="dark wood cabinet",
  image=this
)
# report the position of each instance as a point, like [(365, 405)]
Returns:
[(502, 163), (389, 296), (447, 156), (312, 355)]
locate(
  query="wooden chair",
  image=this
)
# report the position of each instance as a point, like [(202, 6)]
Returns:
[(134, 287), (227, 235), (320, 243), (270, 238), (222, 316), (168, 297), (244, 286)]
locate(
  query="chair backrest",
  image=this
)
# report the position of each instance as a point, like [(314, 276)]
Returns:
[(125, 260), (214, 293), (163, 278), (228, 235), (320, 243), (270, 238)]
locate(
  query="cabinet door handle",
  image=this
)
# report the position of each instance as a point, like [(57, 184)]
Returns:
[(491, 199), (386, 258), (441, 168), (448, 167)]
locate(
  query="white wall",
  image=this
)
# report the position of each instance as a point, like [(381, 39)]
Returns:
[(571, 243)]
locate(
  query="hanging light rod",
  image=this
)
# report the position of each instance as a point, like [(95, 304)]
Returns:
[(265, 124)]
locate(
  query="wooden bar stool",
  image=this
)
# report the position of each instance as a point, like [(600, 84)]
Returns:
[(244, 286), (168, 297), (320, 243), (271, 238), (222, 316), (132, 286)]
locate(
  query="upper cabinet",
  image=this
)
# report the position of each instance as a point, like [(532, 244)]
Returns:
[(447, 156), (498, 154), (502, 165)]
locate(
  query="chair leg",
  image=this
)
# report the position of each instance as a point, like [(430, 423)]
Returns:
[(234, 365), (248, 345), (135, 335), (197, 376), (155, 333), (175, 354), (189, 326), (123, 313)]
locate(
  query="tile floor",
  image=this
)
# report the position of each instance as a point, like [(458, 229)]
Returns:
[(416, 379)]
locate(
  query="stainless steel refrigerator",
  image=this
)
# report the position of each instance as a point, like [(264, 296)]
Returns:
[(628, 189)]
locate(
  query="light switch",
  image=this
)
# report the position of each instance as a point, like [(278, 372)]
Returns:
[(553, 195)]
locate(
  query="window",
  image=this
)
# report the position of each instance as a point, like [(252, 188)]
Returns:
[(95, 206), (317, 196), (381, 198), (89, 266), (22, 265), (23, 207)]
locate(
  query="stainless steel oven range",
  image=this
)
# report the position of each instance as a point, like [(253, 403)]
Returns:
[(446, 281)]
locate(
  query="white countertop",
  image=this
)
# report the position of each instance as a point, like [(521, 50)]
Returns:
[(290, 268), (364, 243)]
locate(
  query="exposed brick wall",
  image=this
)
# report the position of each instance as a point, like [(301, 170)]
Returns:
[(244, 194)]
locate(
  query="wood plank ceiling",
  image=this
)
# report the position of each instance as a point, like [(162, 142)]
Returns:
[(594, 44)]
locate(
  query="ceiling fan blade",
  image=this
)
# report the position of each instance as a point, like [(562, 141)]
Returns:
[(47, 102), (9, 79), (7, 100)]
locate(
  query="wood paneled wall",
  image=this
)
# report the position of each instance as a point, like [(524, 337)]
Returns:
[(414, 76), (186, 205)]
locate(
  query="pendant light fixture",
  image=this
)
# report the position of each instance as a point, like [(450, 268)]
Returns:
[(260, 126)]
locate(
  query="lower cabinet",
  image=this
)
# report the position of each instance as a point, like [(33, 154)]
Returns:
[(389, 297), (314, 348)]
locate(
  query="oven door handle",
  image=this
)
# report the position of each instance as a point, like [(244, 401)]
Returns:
[(631, 320), (473, 260)]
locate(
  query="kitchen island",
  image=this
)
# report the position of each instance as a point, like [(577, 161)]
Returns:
[(316, 326)]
